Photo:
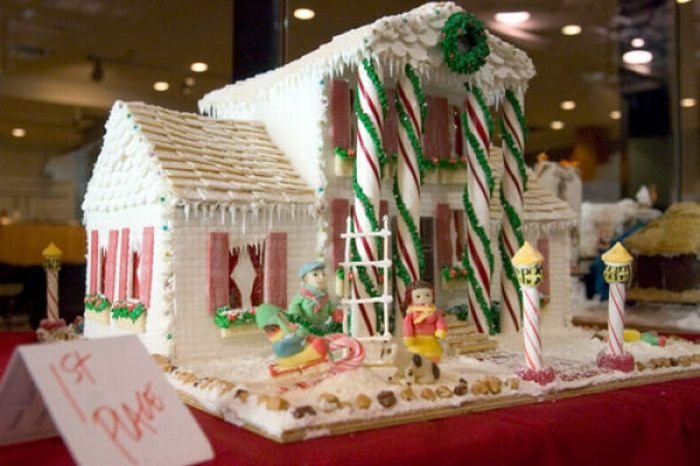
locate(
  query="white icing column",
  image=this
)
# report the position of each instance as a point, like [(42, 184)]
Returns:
[(513, 132), (367, 191), (407, 187)]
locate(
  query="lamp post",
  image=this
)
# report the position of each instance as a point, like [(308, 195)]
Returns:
[(617, 273), (52, 264), (527, 262)]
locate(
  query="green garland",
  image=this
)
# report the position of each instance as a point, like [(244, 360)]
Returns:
[(412, 229), (345, 153), (515, 222), (481, 158), (481, 101), (96, 302), (405, 122), (331, 327), (508, 138), (364, 119), (478, 228), (374, 77), (459, 26), (415, 83), (225, 317), (121, 310), (461, 311), (450, 273)]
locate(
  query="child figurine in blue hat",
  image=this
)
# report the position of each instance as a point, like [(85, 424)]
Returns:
[(312, 307)]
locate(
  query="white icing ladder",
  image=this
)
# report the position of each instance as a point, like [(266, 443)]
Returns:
[(347, 300)]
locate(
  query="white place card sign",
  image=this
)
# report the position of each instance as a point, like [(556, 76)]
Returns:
[(105, 397)]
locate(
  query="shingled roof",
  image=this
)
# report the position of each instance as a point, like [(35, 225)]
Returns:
[(151, 153), (411, 38), (542, 210)]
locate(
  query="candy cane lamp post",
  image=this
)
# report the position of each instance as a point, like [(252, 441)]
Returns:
[(52, 264), (617, 272), (528, 269)]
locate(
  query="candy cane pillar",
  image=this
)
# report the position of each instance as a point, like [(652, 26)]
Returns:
[(410, 106), (513, 185), (52, 264), (477, 258), (617, 272), (370, 109), (528, 268)]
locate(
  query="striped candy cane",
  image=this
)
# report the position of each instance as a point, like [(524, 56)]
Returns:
[(410, 106), (531, 328), (52, 294), (477, 257), (513, 185), (616, 318), (370, 109)]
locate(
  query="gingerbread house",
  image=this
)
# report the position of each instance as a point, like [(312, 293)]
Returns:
[(187, 215)]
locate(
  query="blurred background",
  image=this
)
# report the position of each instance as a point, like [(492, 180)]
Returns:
[(616, 94)]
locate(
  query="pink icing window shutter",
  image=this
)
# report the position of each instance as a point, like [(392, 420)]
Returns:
[(275, 264), (94, 261), (341, 112), (443, 223), (217, 273), (146, 267)]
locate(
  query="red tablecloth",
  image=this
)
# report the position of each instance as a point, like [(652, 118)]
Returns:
[(650, 425)]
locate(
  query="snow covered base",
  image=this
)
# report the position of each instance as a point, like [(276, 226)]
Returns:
[(241, 391)]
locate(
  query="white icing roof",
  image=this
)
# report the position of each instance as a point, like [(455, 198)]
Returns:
[(151, 155), (540, 205), (412, 37)]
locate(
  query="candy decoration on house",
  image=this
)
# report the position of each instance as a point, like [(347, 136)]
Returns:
[(312, 307), (424, 324), (618, 264), (408, 249), (477, 257), (527, 262), (513, 186), (370, 109), (296, 350), (52, 264)]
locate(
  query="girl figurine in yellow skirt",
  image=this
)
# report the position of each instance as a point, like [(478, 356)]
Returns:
[(424, 325)]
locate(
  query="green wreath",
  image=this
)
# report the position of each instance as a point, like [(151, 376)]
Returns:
[(463, 43)]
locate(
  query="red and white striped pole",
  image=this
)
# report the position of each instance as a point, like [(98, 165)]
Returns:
[(52, 264), (528, 269), (617, 272)]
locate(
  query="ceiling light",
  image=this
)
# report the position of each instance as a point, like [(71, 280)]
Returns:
[(568, 105), (189, 81), (512, 17), (682, 1), (637, 42), (199, 67), (19, 132), (161, 86), (688, 102), (615, 115), (571, 30), (304, 13), (556, 125), (637, 57)]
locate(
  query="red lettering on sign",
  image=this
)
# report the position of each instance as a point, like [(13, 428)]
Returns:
[(128, 422)]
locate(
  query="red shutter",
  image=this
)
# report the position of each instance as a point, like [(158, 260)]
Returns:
[(94, 261), (458, 136), (543, 247), (442, 234), (123, 264), (275, 288), (460, 235), (111, 263), (427, 236), (390, 136), (256, 255), (217, 273), (340, 209), (436, 141), (341, 112), (135, 279), (146, 266)]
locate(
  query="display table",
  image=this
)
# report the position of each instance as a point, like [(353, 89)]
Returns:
[(648, 425)]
